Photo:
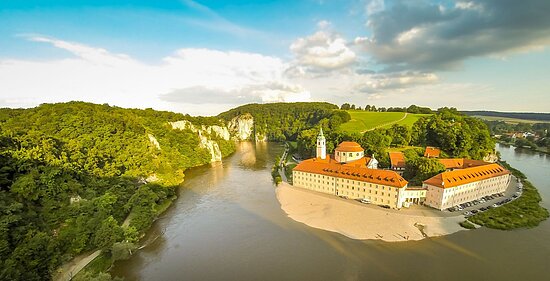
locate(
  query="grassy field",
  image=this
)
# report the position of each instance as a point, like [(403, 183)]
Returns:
[(509, 120), (362, 121)]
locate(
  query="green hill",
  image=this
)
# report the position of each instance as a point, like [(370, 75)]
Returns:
[(362, 121), (71, 173)]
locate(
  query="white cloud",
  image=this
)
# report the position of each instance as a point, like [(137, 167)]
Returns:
[(375, 6), (321, 52), (397, 81), (97, 75)]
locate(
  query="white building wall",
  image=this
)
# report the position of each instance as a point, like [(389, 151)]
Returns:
[(443, 198), (352, 189), (344, 157)]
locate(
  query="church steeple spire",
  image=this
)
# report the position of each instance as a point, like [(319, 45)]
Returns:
[(321, 145)]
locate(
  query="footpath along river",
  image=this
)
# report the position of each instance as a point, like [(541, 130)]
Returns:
[(228, 225)]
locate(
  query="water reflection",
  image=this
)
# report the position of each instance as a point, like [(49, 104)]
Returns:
[(227, 225)]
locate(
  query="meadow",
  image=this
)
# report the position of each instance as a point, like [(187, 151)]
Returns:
[(362, 121)]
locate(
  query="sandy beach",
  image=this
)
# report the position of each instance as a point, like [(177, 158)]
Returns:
[(359, 221)]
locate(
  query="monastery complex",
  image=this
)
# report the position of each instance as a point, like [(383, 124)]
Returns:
[(349, 173)]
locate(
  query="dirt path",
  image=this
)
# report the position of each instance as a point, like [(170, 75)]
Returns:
[(69, 270), (389, 123)]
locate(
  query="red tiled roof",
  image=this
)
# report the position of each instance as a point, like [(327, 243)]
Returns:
[(467, 175), (349, 146), (432, 152), (461, 163), (397, 159), (353, 170)]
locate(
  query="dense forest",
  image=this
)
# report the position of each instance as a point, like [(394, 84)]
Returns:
[(285, 121), (71, 174)]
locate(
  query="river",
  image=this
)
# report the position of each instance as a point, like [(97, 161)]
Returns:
[(227, 225)]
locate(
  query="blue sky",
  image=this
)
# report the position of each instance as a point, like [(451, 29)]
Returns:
[(203, 57)]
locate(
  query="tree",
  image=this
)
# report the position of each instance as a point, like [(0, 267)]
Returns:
[(420, 169), (122, 250), (345, 106), (401, 135), (108, 233)]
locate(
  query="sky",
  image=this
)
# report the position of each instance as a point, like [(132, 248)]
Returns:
[(205, 57)]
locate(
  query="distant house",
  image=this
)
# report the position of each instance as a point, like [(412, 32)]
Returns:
[(397, 160), (432, 152)]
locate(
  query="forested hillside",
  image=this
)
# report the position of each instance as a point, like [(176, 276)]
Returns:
[(71, 173), (284, 121)]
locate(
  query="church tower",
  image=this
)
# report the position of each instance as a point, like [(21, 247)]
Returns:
[(321, 145)]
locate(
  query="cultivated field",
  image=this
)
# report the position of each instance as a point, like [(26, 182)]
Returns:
[(362, 121), (509, 120)]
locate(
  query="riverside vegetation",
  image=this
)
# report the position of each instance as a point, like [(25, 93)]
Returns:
[(72, 173), (525, 211), (76, 177)]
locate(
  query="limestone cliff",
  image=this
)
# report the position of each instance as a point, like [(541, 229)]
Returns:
[(204, 133), (154, 141), (242, 127), (220, 131)]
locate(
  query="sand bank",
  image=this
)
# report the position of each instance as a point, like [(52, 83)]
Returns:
[(359, 221)]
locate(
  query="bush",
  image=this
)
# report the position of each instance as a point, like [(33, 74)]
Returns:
[(468, 225)]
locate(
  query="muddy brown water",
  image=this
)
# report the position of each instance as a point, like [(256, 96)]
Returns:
[(227, 225)]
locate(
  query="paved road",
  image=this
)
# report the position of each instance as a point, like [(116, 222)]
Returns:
[(69, 270)]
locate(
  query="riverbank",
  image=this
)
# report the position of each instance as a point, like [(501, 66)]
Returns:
[(538, 149), (362, 222), (524, 212)]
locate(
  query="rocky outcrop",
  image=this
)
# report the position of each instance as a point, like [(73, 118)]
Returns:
[(239, 128), (204, 140), (221, 132), (154, 141), (242, 127)]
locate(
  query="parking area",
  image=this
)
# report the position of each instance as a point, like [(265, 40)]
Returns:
[(514, 191)]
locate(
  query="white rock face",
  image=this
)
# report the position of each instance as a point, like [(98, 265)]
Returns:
[(242, 127), (204, 141), (222, 132), (154, 141)]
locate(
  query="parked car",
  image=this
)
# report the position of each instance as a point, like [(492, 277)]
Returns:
[(365, 201)]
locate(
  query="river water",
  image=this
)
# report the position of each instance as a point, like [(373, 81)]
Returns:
[(227, 225)]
